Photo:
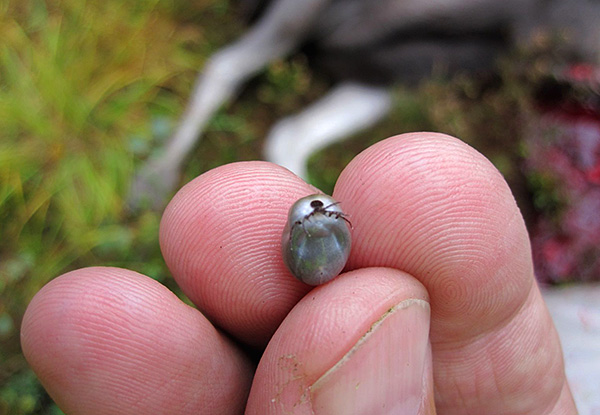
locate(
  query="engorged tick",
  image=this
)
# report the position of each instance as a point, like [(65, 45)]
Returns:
[(318, 252)]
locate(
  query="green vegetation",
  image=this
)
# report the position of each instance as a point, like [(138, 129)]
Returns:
[(86, 89), (89, 87)]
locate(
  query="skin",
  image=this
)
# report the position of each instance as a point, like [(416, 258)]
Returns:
[(438, 296)]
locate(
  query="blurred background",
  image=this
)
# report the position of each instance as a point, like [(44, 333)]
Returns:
[(89, 88)]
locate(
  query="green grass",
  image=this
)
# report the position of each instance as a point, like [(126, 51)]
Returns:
[(86, 89), (89, 88)]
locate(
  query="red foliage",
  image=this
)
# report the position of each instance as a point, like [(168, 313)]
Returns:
[(564, 150)]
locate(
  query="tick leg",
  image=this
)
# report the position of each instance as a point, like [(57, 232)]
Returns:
[(301, 223), (339, 215), (304, 227)]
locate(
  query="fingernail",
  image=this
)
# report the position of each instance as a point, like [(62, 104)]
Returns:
[(384, 371)]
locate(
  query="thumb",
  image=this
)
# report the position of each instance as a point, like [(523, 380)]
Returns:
[(357, 345)]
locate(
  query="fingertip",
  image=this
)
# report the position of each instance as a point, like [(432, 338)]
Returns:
[(434, 207), (106, 332), (431, 205), (221, 238), (354, 345)]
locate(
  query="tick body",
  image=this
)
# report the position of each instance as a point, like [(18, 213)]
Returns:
[(316, 239)]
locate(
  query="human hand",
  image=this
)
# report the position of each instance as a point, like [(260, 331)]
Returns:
[(438, 309)]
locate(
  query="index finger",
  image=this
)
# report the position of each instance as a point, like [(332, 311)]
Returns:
[(221, 238)]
